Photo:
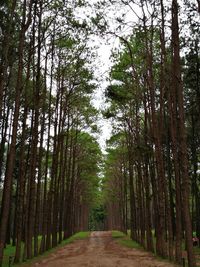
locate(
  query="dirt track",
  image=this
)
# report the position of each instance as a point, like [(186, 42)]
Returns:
[(100, 250)]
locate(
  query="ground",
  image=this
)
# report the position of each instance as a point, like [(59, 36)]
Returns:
[(99, 250)]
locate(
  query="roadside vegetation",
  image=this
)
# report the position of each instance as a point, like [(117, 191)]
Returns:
[(10, 250)]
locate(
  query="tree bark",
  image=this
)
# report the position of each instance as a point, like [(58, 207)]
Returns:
[(176, 66)]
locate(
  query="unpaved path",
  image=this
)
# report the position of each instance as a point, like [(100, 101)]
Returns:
[(100, 250)]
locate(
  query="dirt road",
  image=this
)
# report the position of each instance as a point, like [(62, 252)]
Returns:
[(100, 250)]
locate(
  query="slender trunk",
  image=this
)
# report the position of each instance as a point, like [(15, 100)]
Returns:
[(160, 235), (40, 157), (12, 149), (22, 176), (34, 143), (150, 246), (45, 242), (133, 219), (176, 66)]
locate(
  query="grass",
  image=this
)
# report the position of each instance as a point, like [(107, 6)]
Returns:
[(117, 234), (130, 243), (77, 236), (9, 251), (125, 240)]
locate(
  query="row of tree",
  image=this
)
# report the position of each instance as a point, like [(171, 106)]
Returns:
[(48, 160), (152, 172)]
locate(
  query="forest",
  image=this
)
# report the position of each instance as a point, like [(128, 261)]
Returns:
[(56, 179)]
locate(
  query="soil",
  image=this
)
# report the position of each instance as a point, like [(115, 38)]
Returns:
[(99, 250)]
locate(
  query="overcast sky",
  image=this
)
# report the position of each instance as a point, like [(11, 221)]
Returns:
[(102, 67)]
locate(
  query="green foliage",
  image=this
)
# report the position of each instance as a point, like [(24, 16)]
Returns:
[(97, 217), (67, 43), (118, 94), (89, 160)]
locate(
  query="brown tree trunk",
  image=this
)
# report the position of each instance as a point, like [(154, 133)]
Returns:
[(150, 246), (160, 235), (33, 156), (133, 218), (43, 102), (22, 176), (12, 148), (45, 242), (177, 83)]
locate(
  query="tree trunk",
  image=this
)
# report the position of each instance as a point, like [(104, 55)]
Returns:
[(177, 83), (12, 149)]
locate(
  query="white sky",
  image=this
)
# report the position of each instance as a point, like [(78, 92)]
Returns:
[(102, 63), (102, 73), (102, 68)]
